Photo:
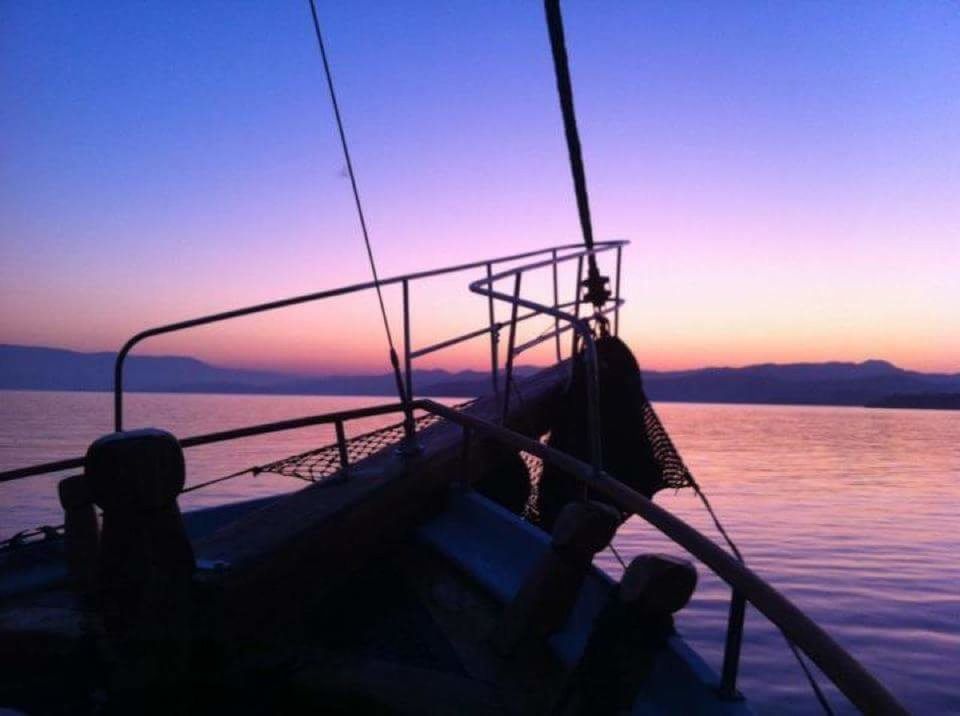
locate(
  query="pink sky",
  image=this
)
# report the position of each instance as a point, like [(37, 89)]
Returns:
[(788, 177)]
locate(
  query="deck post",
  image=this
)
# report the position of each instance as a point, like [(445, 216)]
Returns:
[(118, 393), (576, 304), (731, 650), (342, 448), (407, 364), (81, 532), (616, 296), (553, 584), (494, 338), (556, 304), (511, 342)]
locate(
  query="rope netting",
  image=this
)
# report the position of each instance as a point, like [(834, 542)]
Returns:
[(673, 471), (324, 462)]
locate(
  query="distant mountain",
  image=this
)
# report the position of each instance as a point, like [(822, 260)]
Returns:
[(831, 383), (37, 368), (871, 382)]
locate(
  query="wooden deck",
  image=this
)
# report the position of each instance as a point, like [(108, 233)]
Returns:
[(310, 539)]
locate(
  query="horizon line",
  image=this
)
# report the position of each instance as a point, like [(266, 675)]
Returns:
[(297, 373)]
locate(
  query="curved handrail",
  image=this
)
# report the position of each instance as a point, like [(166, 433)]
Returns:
[(856, 683), (581, 327)]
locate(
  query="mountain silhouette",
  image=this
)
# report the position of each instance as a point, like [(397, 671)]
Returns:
[(871, 382)]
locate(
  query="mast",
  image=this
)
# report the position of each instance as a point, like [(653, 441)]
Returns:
[(597, 292)]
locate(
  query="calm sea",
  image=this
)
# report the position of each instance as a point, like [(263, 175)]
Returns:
[(852, 513)]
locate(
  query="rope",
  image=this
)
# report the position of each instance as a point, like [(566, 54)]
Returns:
[(353, 177), (561, 69), (716, 520), (616, 554), (252, 470), (811, 680), (824, 704), (394, 360), (22, 537)]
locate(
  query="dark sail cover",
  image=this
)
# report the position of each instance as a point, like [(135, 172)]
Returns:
[(636, 448)]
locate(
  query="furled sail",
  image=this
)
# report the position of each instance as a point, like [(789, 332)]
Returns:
[(636, 447)]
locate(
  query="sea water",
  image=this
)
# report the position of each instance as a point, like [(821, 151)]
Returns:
[(853, 513)]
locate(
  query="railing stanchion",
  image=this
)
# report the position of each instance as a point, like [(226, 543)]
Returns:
[(616, 297), (407, 365), (593, 400), (494, 338), (342, 448), (576, 305), (731, 649), (118, 394), (511, 342), (556, 304)]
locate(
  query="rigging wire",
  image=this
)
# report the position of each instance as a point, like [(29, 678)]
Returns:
[(821, 697), (716, 520), (597, 293), (394, 360), (255, 470), (811, 679), (353, 178), (616, 553)]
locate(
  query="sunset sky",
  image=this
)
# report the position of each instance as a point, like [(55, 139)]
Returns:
[(788, 172)]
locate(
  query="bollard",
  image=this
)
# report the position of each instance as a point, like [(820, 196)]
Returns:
[(550, 591), (81, 532)]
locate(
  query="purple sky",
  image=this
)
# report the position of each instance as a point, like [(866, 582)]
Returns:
[(788, 173)]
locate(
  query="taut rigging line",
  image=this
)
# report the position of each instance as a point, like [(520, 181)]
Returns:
[(409, 426)]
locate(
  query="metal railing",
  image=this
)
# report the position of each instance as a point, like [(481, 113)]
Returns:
[(580, 327), (558, 254), (409, 353), (338, 419), (850, 677)]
